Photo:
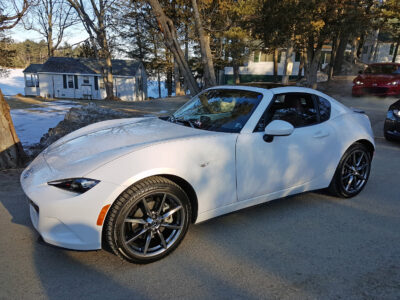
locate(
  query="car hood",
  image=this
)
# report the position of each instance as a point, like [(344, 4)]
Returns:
[(88, 148), (377, 78)]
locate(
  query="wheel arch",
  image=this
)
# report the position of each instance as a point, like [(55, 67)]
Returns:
[(189, 190), (370, 146)]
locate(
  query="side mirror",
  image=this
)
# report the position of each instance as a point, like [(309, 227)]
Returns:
[(277, 128), (360, 72)]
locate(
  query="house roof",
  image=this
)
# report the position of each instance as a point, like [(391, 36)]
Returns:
[(65, 65), (119, 66), (83, 66), (33, 68)]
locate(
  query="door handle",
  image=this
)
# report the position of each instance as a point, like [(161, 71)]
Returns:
[(320, 134)]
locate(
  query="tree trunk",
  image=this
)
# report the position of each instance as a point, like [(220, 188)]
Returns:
[(185, 86), (337, 67), (168, 30), (395, 50), (354, 47), (107, 67), (287, 71), (276, 65), (360, 45), (159, 83), (12, 154), (168, 81), (301, 66), (313, 60), (236, 76), (177, 80), (206, 56), (374, 47), (335, 46)]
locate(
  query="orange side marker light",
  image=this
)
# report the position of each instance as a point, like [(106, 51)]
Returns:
[(102, 215)]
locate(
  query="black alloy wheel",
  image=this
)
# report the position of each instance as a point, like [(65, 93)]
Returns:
[(148, 221)]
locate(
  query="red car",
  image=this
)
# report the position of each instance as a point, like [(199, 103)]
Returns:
[(381, 79)]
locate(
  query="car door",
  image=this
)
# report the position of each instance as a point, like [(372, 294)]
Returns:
[(288, 161)]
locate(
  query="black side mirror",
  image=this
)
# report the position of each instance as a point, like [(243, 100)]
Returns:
[(360, 72)]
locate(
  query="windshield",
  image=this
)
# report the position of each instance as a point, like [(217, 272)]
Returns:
[(225, 110), (382, 69)]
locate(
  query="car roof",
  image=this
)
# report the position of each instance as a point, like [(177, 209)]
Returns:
[(339, 108)]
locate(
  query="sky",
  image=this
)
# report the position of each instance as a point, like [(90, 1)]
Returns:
[(73, 35)]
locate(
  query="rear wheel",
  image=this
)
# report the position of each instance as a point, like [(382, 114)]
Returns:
[(148, 220), (352, 172)]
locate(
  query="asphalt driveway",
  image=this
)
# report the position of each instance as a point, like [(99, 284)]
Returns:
[(310, 246)]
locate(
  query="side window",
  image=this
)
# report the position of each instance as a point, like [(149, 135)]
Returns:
[(324, 107), (295, 108)]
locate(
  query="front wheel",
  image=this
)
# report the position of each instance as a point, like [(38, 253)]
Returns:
[(148, 220), (352, 172)]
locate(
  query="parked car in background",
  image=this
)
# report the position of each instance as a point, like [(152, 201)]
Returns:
[(391, 128), (381, 79), (136, 184)]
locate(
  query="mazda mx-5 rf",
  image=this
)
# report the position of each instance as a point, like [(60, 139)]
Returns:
[(135, 185)]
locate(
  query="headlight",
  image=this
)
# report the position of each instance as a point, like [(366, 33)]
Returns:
[(393, 83), (396, 112), (358, 82), (76, 185)]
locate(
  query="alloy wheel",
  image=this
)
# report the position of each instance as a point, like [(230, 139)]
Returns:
[(153, 224), (355, 171)]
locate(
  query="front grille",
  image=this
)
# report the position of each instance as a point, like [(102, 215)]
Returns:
[(375, 90)]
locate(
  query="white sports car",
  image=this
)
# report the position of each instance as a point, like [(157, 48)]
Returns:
[(136, 184)]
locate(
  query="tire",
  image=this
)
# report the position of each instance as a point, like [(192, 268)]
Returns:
[(352, 173), (148, 220), (388, 137)]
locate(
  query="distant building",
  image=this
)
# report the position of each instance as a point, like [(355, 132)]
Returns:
[(378, 48), (260, 66), (80, 78)]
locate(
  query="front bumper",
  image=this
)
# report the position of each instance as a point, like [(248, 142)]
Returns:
[(380, 90), (392, 126), (63, 218)]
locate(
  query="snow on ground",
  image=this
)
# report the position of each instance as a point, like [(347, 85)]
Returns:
[(152, 89), (31, 124), (14, 83)]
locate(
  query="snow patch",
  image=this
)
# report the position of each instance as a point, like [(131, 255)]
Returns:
[(14, 83), (31, 124)]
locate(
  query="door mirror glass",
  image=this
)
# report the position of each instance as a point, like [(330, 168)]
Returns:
[(279, 128)]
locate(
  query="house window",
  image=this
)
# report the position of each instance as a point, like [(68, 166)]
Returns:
[(86, 79), (96, 83), (70, 81)]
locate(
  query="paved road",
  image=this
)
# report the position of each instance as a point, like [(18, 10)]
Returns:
[(310, 246)]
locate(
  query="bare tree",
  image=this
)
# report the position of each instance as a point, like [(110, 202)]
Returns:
[(206, 56), (11, 152), (96, 23), (11, 12), (51, 19), (168, 31)]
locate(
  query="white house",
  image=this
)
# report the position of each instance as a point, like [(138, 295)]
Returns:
[(260, 66), (80, 78)]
